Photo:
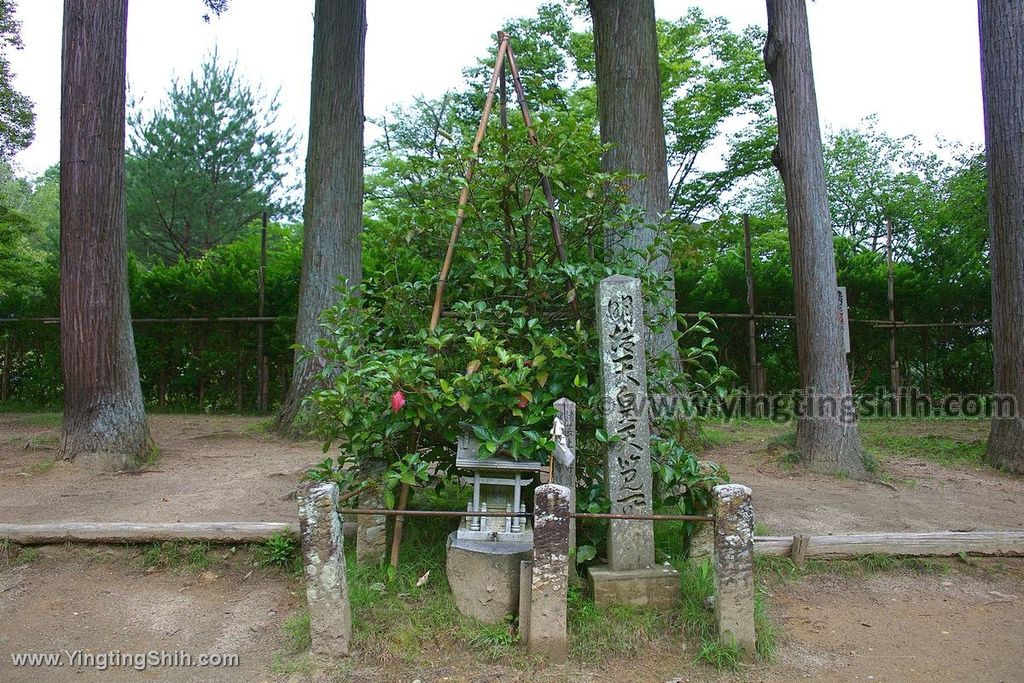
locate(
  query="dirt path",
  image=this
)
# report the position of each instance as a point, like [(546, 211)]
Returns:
[(918, 495), (211, 468), (966, 625), (98, 599)]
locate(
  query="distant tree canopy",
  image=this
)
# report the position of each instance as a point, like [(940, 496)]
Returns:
[(17, 120), (937, 203), (205, 163)]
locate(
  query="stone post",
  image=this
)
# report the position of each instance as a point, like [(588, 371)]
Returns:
[(323, 559), (547, 634), (734, 567), (621, 334), (371, 530), (565, 467)]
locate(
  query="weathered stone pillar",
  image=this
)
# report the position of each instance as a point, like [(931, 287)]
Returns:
[(548, 635), (371, 530), (323, 559), (621, 332), (565, 466), (734, 567), (630, 577)]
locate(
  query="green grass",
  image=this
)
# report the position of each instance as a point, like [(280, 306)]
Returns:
[(176, 556), (43, 466), (280, 550), (698, 585), (296, 628), (41, 419), (14, 554), (782, 568), (597, 633), (942, 450)]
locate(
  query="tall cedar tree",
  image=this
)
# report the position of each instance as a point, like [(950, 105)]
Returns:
[(333, 215), (629, 110), (827, 435), (1002, 84), (103, 409)]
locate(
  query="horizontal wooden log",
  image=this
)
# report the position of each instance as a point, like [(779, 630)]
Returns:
[(937, 543), (145, 532), (148, 532)]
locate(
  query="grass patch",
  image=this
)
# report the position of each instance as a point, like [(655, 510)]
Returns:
[(597, 633), (43, 466), (296, 628), (41, 419), (783, 569), (882, 439), (176, 556), (698, 587), (13, 554), (280, 550)]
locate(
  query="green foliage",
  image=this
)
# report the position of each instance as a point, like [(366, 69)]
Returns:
[(17, 120), (204, 164), (280, 550), (497, 640), (296, 628), (176, 556), (597, 633)]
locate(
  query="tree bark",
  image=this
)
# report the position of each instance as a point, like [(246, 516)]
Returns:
[(629, 112), (103, 409), (1002, 83), (333, 216), (828, 439)]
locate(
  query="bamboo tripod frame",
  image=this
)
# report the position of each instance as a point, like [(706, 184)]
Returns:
[(497, 76)]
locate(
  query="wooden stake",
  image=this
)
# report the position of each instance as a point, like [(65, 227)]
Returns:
[(748, 266), (460, 213), (396, 537), (894, 368), (261, 283)]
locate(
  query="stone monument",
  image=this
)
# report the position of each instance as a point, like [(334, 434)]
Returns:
[(631, 575)]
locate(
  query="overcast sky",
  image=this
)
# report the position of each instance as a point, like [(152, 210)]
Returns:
[(912, 62)]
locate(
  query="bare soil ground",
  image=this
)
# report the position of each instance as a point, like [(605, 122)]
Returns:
[(912, 493), (963, 625)]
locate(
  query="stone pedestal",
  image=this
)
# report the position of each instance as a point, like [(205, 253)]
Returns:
[(657, 587), (484, 577)]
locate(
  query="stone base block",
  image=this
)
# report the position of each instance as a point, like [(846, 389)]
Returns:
[(484, 577), (657, 587)]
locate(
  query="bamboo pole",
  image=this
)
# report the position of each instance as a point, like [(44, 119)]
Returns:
[(531, 135), (460, 212)]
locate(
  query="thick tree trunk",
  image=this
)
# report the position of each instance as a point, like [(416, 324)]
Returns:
[(103, 408), (331, 250), (629, 111), (827, 435), (1002, 83)]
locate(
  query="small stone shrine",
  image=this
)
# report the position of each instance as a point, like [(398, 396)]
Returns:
[(485, 552)]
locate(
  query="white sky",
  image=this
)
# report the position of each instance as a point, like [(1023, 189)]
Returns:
[(913, 62)]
